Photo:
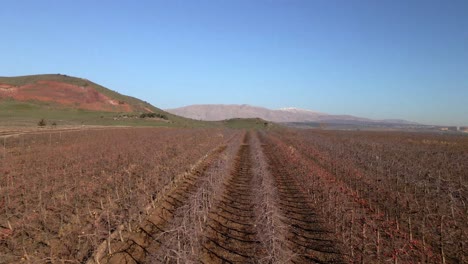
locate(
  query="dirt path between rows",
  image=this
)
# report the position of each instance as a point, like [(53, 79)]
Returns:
[(243, 206), (231, 234), (307, 235)]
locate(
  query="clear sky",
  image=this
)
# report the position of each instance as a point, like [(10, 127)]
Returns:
[(377, 59)]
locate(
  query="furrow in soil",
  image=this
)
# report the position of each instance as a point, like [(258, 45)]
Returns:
[(231, 230), (133, 246), (307, 235)]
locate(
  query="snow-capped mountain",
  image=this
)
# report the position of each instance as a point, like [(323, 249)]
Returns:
[(215, 112)]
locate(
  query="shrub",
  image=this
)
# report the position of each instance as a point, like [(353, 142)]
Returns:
[(42, 123), (153, 115)]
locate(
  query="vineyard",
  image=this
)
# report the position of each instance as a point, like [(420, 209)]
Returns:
[(218, 195)]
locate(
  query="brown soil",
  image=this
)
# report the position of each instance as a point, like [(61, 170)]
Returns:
[(308, 237), (131, 246), (64, 94), (273, 197), (231, 231)]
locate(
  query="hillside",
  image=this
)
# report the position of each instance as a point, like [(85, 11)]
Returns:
[(67, 100), (67, 91), (283, 115)]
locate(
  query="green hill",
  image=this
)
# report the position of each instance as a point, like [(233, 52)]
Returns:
[(66, 100)]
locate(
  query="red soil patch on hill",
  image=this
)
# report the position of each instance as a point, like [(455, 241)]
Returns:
[(82, 97)]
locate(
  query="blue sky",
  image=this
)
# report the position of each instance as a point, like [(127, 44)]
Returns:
[(376, 59)]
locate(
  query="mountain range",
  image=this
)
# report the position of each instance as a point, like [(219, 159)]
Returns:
[(215, 112)]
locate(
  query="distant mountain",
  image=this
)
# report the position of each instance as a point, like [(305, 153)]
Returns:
[(222, 112), (62, 91), (215, 112)]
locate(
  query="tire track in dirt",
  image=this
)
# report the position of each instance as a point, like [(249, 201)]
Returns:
[(231, 230), (131, 246), (306, 234)]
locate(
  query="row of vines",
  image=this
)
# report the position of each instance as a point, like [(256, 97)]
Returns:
[(398, 197), (63, 193)]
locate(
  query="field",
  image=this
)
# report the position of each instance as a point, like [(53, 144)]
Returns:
[(223, 195), (28, 114)]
